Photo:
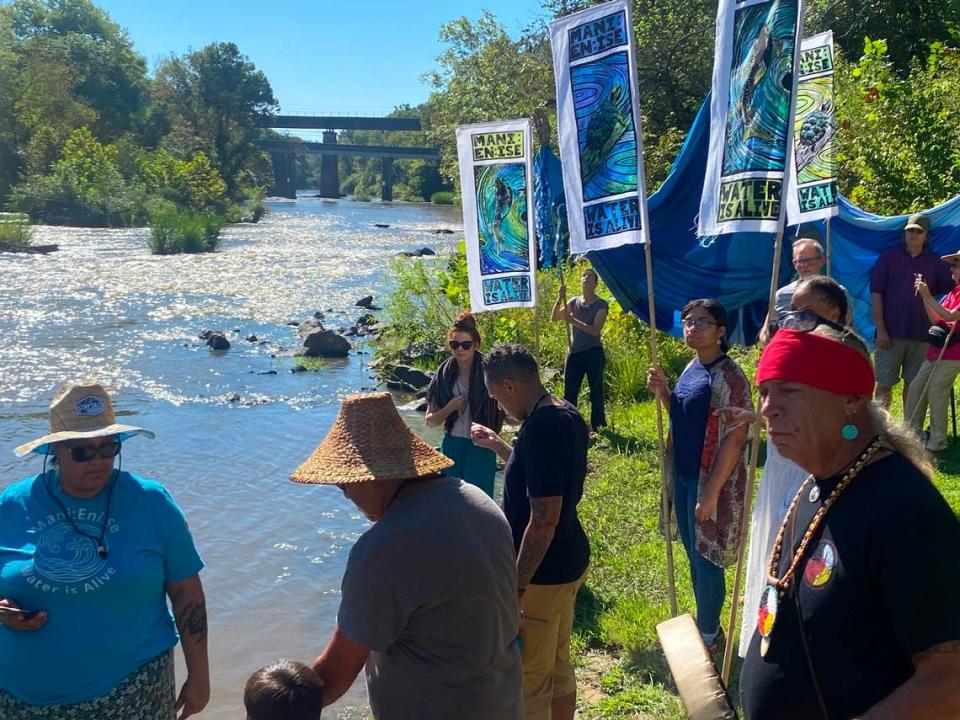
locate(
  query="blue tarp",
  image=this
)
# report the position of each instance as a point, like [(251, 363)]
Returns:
[(551, 216), (735, 269)]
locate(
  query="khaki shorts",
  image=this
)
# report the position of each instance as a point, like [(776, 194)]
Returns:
[(903, 359), (546, 627)]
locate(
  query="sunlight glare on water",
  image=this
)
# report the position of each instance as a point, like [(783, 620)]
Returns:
[(103, 308)]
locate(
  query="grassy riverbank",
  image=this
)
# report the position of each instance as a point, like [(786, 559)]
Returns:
[(622, 673)]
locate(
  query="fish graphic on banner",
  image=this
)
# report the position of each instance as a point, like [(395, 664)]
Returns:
[(498, 217), (812, 192), (751, 115), (598, 124)]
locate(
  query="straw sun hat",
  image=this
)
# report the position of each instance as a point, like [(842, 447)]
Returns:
[(80, 411), (369, 441)]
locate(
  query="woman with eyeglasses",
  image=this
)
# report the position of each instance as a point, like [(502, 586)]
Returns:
[(458, 397), (816, 301), (708, 472), (89, 556)]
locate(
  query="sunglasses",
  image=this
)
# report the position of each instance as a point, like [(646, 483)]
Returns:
[(465, 344), (802, 321), (86, 453), (699, 323)]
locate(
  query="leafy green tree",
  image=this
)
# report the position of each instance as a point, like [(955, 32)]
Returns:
[(909, 26), (898, 144), (218, 102), (485, 75), (73, 49), (63, 65), (84, 187)]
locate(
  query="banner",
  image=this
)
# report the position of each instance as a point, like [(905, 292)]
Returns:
[(751, 115), (498, 216), (812, 184), (598, 123)]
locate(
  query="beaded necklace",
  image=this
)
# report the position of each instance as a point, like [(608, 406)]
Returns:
[(770, 601)]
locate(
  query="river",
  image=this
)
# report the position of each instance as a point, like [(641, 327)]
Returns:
[(104, 308)]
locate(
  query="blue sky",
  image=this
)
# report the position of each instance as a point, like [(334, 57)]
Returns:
[(355, 56)]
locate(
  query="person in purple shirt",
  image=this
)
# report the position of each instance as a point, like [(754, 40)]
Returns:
[(898, 311)]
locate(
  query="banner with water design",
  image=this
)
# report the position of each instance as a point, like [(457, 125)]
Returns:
[(751, 115), (812, 192), (496, 184), (598, 123)]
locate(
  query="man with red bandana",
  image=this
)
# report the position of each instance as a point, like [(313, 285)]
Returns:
[(861, 615)]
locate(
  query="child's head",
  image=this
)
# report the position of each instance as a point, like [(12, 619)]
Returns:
[(284, 690)]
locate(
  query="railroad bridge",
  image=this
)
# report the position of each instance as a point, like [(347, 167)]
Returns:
[(283, 153)]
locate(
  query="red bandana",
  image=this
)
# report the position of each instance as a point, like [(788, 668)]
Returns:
[(817, 361)]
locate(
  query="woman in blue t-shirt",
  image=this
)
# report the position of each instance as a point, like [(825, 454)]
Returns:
[(88, 557), (709, 475)]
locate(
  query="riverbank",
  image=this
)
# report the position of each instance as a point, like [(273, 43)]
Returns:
[(104, 307), (621, 670)]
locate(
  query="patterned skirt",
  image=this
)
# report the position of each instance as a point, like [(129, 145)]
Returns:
[(146, 694)]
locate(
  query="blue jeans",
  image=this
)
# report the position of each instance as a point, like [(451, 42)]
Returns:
[(709, 586)]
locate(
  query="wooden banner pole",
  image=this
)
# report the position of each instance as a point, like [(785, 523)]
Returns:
[(829, 249), (661, 445), (751, 479)]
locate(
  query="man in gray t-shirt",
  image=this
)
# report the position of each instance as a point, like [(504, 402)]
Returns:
[(429, 596), (431, 590)]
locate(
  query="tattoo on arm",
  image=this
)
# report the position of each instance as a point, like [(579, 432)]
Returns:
[(193, 620), (536, 540)]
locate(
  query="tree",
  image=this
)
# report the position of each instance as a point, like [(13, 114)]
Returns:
[(898, 144), (485, 75), (90, 58), (63, 65), (909, 26), (218, 102)]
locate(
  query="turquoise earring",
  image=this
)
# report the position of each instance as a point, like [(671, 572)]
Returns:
[(850, 432)]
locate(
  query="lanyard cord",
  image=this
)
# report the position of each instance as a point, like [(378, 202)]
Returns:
[(101, 548)]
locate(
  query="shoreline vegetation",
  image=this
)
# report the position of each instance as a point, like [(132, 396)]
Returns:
[(621, 671)]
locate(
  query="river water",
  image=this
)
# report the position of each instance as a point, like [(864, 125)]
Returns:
[(104, 308)]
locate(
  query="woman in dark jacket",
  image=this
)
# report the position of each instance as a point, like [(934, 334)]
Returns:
[(458, 397)]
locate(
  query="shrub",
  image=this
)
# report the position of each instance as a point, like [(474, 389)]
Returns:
[(15, 229), (444, 197), (174, 231)]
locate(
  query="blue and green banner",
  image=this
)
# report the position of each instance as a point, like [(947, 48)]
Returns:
[(812, 185), (598, 123), (498, 217), (751, 116)]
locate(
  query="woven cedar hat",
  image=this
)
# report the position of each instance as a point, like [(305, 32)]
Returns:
[(369, 441), (80, 411)]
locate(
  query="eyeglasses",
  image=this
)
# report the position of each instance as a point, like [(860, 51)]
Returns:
[(86, 453), (802, 321), (698, 323), (465, 344), (808, 261)]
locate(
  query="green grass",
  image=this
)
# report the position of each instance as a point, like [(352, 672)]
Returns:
[(626, 593), (443, 197), (622, 673), (15, 229), (174, 231)]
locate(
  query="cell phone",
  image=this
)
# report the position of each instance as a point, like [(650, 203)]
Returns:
[(19, 612)]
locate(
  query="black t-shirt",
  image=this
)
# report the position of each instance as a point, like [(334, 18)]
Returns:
[(550, 458), (879, 584)]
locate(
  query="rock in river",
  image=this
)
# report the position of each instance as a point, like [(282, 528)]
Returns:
[(324, 343)]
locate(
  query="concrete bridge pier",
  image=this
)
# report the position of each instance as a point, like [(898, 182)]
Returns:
[(329, 169), (284, 174), (386, 185)]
